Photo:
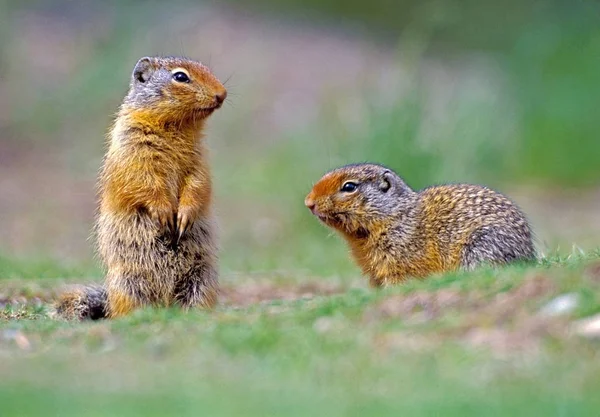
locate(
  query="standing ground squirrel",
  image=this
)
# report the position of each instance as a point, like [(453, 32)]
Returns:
[(396, 233), (154, 225)]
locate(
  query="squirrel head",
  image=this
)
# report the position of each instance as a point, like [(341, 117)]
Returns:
[(173, 89), (355, 198)]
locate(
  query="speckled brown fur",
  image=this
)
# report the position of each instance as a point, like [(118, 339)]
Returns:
[(396, 233), (154, 227)]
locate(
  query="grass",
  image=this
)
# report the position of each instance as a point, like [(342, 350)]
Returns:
[(457, 344)]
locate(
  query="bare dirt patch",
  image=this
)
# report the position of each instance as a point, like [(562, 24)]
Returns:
[(261, 292)]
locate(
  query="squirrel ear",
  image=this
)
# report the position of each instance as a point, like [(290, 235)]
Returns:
[(386, 181), (143, 70)]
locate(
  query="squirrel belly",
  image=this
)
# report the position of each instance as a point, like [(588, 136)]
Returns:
[(155, 230), (145, 268), (396, 233)]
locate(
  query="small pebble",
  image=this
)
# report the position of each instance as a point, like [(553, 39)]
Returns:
[(588, 327), (561, 305)]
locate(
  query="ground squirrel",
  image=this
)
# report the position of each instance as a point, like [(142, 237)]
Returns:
[(396, 233), (154, 225)]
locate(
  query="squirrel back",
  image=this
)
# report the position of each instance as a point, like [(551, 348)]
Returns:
[(395, 232)]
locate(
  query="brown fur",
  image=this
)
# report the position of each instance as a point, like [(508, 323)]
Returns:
[(154, 227), (395, 233)]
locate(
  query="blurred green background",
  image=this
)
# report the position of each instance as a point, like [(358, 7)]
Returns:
[(502, 93)]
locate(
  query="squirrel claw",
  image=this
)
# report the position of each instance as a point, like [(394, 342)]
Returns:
[(183, 223), (171, 223)]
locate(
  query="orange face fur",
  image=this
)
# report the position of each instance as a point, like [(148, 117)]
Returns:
[(173, 89), (320, 201), (338, 201)]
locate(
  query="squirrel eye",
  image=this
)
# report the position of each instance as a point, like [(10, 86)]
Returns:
[(181, 77), (349, 187)]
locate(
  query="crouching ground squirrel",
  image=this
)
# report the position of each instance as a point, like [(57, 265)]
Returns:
[(154, 225), (396, 233)]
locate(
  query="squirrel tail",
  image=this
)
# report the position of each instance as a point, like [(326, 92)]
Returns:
[(82, 303)]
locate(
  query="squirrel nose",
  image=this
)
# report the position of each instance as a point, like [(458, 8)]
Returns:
[(220, 97), (309, 203)]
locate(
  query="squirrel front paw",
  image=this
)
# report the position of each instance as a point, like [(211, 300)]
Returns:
[(163, 216)]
